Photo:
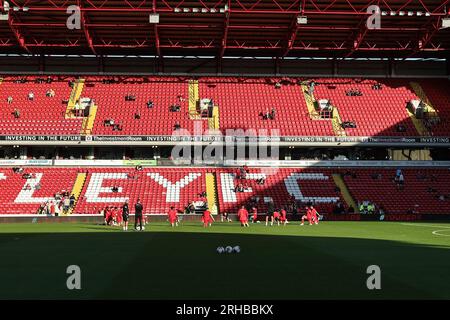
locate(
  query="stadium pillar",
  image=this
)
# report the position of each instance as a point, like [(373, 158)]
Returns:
[(390, 68), (219, 65), (448, 67), (42, 63), (159, 64), (101, 64), (277, 66), (334, 66)]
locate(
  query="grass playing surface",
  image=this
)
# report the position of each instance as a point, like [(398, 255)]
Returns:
[(327, 261)]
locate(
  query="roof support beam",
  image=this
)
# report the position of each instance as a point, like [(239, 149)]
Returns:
[(434, 26), (85, 28), (358, 39), (223, 43), (293, 30), (19, 37)]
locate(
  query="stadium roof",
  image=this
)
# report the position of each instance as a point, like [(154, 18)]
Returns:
[(409, 28)]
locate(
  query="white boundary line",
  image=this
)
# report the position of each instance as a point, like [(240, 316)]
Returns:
[(434, 232)]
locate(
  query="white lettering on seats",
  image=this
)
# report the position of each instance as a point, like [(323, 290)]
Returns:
[(173, 189), (95, 187), (293, 187), (2, 176), (26, 194), (227, 183)]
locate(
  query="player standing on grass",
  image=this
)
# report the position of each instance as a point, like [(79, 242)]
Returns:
[(125, 214), (254, 215), (138, 208), (270, 210), (172, 214), (243, 216), (207, 218)]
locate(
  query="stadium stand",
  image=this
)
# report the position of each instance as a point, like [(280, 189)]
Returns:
[(375, 112), (24, 196), (42, 115), (156, 188), (424, 191), (133, 115), (421, 192), (242, 104), (438, 94)]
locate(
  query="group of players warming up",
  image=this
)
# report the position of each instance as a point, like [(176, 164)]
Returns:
[(273, 216), (278, 217)]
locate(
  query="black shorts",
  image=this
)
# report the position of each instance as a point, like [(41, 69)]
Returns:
[(125, 218)]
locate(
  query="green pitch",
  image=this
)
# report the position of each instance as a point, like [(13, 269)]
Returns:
[(328, 261)]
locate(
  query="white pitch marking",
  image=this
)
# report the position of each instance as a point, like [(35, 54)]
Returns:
[(435, 232)]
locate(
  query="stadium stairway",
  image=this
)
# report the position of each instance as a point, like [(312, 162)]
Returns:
[(77, 189), (74, 97), (193, 99), (310, 103), (335, 119), (88, 122), (340, 183), (214, 121), (418, 90), (211, 194)]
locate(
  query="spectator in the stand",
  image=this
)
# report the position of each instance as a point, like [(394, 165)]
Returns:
[(72, 200), (117, 127), (31, 96), (339, 208), (149, 104), (261, 181), (191, 207), (108, 122), (376, 176), (177, 126), (66, 203), (16, 113), (272, 114), (370, 208), (311, 86), (50, 93), (137, 115), (78, 109), (401, 182), (10, 100)]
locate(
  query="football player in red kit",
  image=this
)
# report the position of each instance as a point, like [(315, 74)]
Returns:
[(172, 214), (207, 218), (307, 215), (276, 217), (119, 216), (283, 218), (243, 216), (314, 215), (108, 216), (254, 215)]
